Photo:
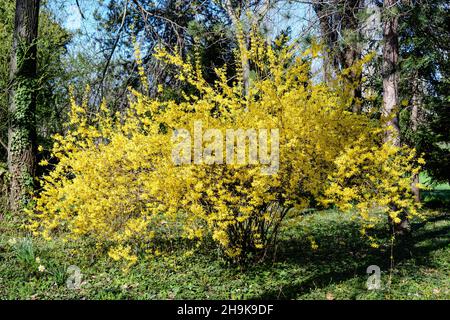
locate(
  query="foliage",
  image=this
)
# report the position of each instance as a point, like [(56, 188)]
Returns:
[(117, 183), (364, 170), (425, 72), (179, 26), (6, 31), (50, 87), (24, 251), (336, 269)]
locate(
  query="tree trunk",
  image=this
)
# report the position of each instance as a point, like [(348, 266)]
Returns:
[(352, 51), (353, 78), (22, 103), (390, 72), (414, 187), (415, 105), (390, 88), (328, 38)]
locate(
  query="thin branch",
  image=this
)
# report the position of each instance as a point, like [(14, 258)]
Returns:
[(79, 9), (158, 14), (116, 41), (3, 145)]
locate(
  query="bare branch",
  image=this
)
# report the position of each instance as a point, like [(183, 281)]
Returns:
[(116, 41), (79, 9)]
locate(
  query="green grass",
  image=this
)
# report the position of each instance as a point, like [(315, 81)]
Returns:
[(437, 195), (336, 270), (428, 182)]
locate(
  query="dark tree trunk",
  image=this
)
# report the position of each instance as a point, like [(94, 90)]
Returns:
[(329, 35), (390, 88), (22, 103), (352, 51)]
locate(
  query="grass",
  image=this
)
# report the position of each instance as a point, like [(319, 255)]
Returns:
[(335, 270), (437, 195)]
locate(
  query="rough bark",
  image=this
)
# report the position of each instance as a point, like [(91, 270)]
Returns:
[(328, 38), (352, 52), (390, 72), (390, 89), (22, 103)]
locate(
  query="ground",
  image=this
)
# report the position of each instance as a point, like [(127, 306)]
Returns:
[(336, 269)]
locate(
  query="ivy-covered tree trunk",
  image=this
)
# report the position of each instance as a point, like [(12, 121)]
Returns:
[(22, 103)]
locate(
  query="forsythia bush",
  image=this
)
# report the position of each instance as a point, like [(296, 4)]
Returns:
[(375, 180), (117, 182)]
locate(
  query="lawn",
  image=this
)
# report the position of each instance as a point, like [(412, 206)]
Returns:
[(336, 269), (437, 194)]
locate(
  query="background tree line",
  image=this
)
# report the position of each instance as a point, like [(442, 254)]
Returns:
[(406, 81)]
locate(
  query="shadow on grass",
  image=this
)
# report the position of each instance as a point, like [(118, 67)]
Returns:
[(436, 199), (343, 254)]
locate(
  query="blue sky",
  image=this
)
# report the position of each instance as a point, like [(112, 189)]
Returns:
[(68, 13)]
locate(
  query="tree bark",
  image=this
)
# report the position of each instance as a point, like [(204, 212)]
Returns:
[(415, 106), (22, 103), (390, 72), (328, 37), (390, 89), (352, 52)]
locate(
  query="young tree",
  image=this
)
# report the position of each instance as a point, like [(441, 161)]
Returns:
[(22, 104)]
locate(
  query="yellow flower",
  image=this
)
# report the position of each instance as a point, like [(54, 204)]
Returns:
[(116, 179)]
